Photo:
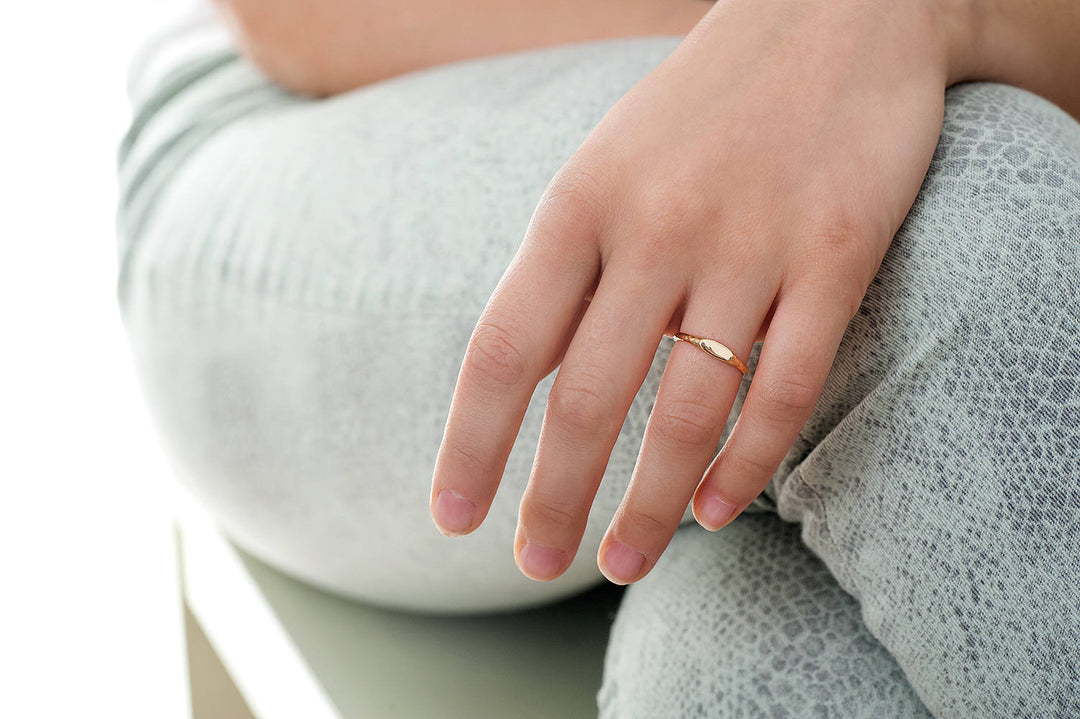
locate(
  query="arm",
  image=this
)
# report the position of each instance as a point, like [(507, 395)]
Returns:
[(1033, 44), (324, 47)]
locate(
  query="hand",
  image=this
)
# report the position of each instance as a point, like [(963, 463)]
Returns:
[(745, 190)]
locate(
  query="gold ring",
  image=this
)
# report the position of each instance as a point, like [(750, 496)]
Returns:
[(714, 349)]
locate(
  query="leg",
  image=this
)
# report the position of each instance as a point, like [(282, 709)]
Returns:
[(299, 280), (938, 478), (747, 623)]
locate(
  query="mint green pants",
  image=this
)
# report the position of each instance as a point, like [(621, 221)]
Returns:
[(299, 279)]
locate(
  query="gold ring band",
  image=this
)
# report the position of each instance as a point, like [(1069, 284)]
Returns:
[(714, 349)]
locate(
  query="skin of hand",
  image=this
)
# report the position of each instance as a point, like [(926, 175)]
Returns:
[(745, 190)]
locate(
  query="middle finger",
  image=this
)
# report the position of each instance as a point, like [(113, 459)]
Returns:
[(604, 367)]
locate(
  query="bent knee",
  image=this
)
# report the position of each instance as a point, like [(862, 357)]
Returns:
[(1005, 175), (300, 284)]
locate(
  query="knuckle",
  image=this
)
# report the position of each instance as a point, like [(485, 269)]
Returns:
[(840, 262), (667, 217), (651, 249), (467, 459), (748, 465), (786, 399), (667, 207), (640, 523), (841, 292), (543, 512), (839, 242), (493, 354), (688, 423), (574, 198), (580, 408)]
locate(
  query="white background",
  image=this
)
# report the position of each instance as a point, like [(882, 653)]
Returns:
[(90, 622)]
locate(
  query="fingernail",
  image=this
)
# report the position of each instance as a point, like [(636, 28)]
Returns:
[(453, 513), (540, 562), (715, 512), (622, 564)]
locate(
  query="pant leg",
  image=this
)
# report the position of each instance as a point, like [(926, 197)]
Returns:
[(747, 623), (938, 477), (299, 280)]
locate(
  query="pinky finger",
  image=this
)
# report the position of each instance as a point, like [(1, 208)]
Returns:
[(794, 363)]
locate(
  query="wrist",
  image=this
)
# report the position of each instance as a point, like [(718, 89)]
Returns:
[(1027, 43), (964, 25)]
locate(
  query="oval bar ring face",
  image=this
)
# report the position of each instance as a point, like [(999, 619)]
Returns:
[(714, 348)]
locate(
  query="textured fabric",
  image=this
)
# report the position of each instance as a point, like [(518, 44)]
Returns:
[(299, 280), (938, 477), (747, 623)]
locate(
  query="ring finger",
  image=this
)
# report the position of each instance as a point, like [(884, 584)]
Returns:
[(692, 405)]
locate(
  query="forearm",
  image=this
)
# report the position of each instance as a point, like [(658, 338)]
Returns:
[(1033, 44), (328, 46)]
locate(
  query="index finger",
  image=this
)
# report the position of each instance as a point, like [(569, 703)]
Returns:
[(518, 336)]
